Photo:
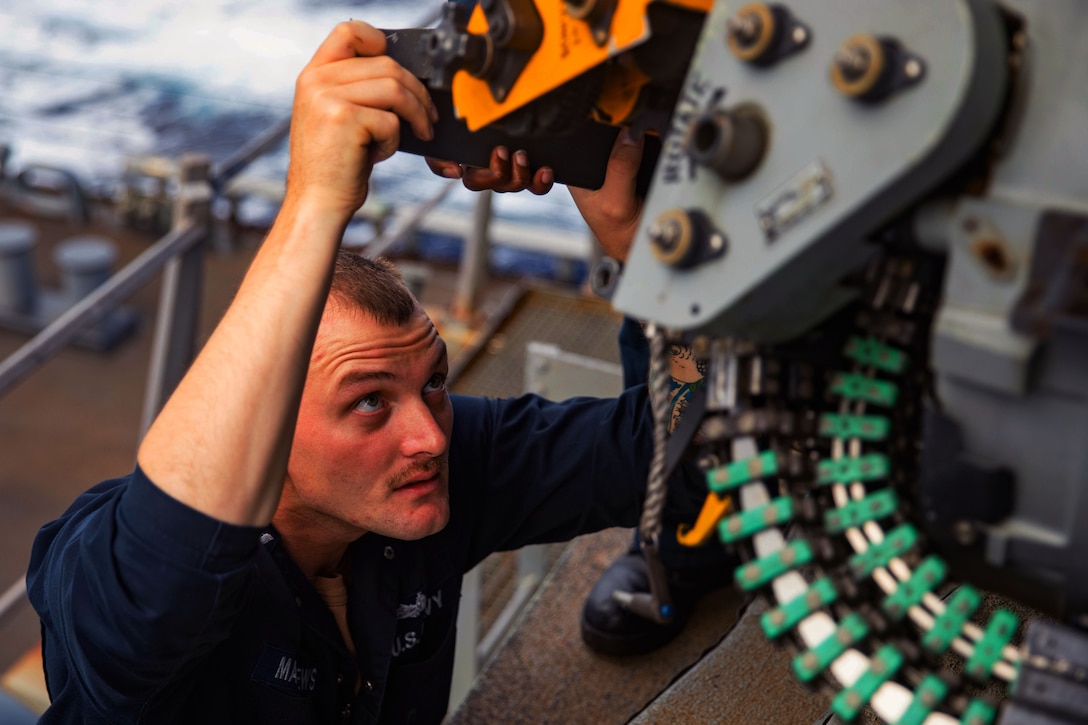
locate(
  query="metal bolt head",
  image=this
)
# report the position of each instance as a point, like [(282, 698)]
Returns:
[(666, 233), (750, 32), (744, 28), (853, 61), (859, 67)]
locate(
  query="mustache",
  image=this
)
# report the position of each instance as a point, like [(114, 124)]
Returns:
[(430, 467)]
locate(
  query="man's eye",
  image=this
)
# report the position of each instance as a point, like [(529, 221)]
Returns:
[(437, 382), (369, 404)]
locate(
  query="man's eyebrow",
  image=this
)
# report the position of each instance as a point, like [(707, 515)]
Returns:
[(359, 376)]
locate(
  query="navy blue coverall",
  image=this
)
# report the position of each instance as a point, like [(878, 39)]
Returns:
[(155, 613)]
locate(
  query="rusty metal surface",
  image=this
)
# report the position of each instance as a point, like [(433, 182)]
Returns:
[(545, 674), (744, 679)]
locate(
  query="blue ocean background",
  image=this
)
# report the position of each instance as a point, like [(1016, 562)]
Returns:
[(86, 85)]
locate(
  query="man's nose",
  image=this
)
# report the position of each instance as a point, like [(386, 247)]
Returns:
[(422, 432)]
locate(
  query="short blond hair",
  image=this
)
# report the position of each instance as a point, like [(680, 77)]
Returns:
[(374, 286)]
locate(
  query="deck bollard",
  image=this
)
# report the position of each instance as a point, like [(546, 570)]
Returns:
[(18, 283), (85, 262)]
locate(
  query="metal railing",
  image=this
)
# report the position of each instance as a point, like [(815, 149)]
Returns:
[(179, 257)]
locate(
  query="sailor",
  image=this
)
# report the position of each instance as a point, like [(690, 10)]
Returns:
[(290, 544)]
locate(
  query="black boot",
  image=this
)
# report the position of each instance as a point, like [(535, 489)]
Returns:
[(610, 629)]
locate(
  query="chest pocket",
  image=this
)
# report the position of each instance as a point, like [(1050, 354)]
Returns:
[(418, 690), (423, 624), (284, 688)]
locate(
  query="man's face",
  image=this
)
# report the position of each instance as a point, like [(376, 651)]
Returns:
[(369, 452)]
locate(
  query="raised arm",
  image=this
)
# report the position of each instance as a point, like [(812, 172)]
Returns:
[(612, 214), (613, 211), (222, 440)]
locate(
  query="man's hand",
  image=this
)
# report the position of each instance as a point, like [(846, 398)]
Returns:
[(345, 119), (502, 174), (612, 212)]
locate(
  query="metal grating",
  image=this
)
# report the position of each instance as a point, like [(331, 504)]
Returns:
[(575, 323), (496, 368)]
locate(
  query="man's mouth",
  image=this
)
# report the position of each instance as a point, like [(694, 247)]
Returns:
[(424, 478), (419, 480)]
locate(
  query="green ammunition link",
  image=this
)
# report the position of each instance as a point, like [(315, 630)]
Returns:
[(868, 351), (875, 506), (736, 474), (815, 660), (865, 427), (1000, 629), (927, 577), (979, 713), (860, 387), (785, 617), (885, 663), (763, 570), (872, 467), (751, 521), (896, 542), (930, 692), (949, 623)]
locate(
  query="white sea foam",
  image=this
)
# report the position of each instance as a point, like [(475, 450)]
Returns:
[(87, 84)]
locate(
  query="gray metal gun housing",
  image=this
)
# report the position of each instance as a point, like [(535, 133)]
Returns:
[(999, 91)]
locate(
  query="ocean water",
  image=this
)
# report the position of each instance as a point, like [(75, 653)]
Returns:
[(86, 85)]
